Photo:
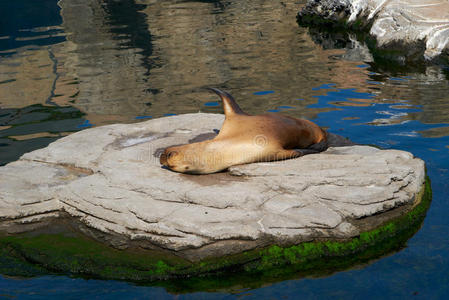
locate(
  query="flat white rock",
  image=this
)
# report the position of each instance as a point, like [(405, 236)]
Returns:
[(109, 180)]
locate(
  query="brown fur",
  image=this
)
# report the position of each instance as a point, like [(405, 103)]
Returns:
[(245, 139)]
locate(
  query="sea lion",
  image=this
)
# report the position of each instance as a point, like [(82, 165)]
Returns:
[(243, 139)]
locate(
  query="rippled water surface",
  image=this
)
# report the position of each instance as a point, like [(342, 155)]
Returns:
[(73, 64)]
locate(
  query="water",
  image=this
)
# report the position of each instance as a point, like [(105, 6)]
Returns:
[(75, 64)]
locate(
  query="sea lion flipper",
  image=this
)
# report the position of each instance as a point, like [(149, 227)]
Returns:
[(286, 154), (230, 107), (307, 151)]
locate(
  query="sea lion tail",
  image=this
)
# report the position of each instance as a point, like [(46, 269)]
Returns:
[(230, 107)]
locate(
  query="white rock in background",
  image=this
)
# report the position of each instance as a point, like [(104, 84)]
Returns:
[(406, 22)]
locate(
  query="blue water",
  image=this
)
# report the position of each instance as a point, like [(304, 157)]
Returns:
[(119, 77), (212, 103), (261, 93), (21, 24)]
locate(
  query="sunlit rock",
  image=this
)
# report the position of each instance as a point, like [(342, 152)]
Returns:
[(110, 181), (416, 27)]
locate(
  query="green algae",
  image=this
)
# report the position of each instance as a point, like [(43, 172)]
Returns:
[(31, 255)]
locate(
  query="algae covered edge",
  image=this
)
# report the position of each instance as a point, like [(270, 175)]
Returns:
[(31, 255)]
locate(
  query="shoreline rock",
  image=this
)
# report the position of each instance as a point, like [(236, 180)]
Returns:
[(410, 30), (108, 182)]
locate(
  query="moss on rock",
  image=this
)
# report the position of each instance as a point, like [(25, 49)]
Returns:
[(37, 254)]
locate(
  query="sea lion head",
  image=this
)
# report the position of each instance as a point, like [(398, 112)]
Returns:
[(184, 159)]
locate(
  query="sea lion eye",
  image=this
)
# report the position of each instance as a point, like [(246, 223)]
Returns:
[(171, 154)]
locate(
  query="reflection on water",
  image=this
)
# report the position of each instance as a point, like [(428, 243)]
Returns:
[(105, 59), (22, 25), (121, 61), (34, 127), (73, 64), (423, 86)]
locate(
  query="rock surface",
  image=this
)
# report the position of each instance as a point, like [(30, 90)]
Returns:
[(109, 179), (422, 24)]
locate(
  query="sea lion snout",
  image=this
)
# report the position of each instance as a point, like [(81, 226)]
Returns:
[(183, 159), (166, 156), (163, 159), (174, 158)]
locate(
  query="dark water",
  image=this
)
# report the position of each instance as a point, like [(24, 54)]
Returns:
[(70, 65)]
